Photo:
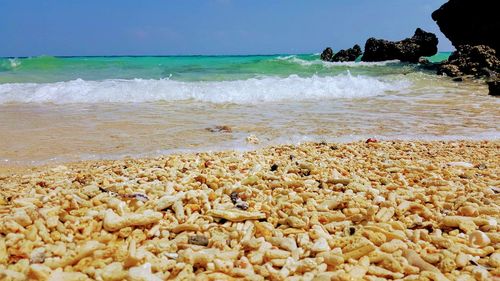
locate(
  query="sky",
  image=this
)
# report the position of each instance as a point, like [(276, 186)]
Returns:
[(205, 27)]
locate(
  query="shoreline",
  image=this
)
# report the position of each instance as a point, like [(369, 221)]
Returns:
[(388, 209), (9, 167), (279, 100)]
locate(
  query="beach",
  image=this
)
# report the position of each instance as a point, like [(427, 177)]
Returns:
[(63, 109), (280, 167), (250, 140), (418, 210)]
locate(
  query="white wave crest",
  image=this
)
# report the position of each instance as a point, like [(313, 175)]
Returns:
[(14, 63), (255, 90), (297, 60)]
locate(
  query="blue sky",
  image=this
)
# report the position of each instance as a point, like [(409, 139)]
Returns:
[(176, 27)]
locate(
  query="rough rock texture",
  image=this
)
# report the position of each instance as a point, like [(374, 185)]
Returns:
[(421, 44), (467, 22), (478, 60), (350, 54), (327, 54), (494, 87), (408, 50), (450, 70), (379, 50)]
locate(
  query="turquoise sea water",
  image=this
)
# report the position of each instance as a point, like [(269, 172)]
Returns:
[(55, 109), (185, 68)]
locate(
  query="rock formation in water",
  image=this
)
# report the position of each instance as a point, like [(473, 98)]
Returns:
[(350, 54), (473, 28), (479, 61), (470, 22), (327, 54), (408, 50)]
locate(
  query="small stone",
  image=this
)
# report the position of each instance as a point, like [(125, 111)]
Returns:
[(200, 240), (295, 222), (234, 197), (252, 139), (142, 272), (37, 255), (220, 129), (251, 180), (352, 230), (237, 201), (479, 239), (113, 272), (242, 205), (321, 245), (494, 87), (481, 166), (137, 196), (91, 190)]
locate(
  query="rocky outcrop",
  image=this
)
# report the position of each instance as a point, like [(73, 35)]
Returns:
[(408, 50), (470, 22), (494, 87), (479, 61), (379, 50), (472, 27), (327, 54), (350, 54)]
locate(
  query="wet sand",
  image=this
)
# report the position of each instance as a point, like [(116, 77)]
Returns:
[(319, 211), (432, 108)]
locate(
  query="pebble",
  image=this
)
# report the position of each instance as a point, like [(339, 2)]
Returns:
[(220, 129), (332, 212), (198, 240)]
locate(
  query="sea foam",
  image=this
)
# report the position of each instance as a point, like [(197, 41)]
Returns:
[(255, 90), (296, 60)]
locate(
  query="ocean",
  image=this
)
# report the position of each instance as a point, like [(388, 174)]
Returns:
[(57, 109)]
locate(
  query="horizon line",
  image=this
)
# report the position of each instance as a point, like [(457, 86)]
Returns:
[(177, 55)]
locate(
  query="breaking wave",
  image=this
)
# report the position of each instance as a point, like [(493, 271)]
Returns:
[(306, 62), (255, 90)]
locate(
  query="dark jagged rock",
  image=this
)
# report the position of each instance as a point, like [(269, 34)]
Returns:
[(478, 60), (450, 70), (467, 22), (422, 44), (424, 63), (327, 54), (350, 54), (494, 87), (379, 50)]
